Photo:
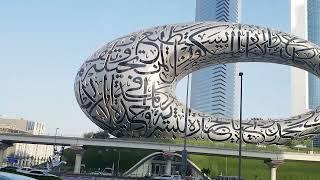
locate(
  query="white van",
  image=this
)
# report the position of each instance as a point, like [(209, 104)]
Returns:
[(107, 172)]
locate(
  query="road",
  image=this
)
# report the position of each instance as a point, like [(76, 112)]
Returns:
[(75, 177)]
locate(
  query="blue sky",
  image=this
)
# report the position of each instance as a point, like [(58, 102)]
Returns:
[(43, 43)]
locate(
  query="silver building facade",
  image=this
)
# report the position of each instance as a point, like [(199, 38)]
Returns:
[(213, 88)]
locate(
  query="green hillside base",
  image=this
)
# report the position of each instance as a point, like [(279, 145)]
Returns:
[(256, 169)]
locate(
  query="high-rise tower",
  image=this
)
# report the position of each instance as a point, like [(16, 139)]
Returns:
[(213, 88), (305, 87), (313, 18), (299, 83), (305, 23)]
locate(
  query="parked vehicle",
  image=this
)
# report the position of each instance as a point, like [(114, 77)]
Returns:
[(39, 172), (107, 172), (228, 178), (11, 176), (33, 173), (96, 173), (24, 169), (176, 177), (169, 177), (9, 168), (44, 169), (164, 177)]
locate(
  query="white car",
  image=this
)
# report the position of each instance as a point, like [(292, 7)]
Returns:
[(40, 173), (96, 173), (107, 172), (24, 169), (164, 177), (176, 177), (171, 177)]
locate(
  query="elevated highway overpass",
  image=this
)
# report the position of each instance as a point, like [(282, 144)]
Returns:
[(273, 159), (136, 144)]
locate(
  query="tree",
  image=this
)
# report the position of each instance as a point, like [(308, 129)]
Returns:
[(88, 135), (294, 142), (101, 157), (97, 135), (205, 171), (69, 156)]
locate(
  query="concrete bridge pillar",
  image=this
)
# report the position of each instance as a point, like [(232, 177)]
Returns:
[(168, 157), (3, 147), (273, 165), (168, 166), (77, 164)]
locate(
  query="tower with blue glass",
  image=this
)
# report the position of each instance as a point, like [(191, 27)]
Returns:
[(313, 19), (313, 14), (213, 88)]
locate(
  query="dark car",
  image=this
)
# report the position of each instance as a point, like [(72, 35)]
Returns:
[(9, 169), (10, 176), (40, 173)]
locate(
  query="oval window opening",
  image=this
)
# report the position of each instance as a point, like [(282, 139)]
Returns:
[(269, 90)]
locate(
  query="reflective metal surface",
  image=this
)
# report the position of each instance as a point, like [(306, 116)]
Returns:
[(128, 86)]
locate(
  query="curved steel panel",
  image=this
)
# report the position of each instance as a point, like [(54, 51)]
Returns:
[(128, 86)]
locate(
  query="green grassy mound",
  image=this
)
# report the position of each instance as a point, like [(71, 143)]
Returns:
[(253, 169)]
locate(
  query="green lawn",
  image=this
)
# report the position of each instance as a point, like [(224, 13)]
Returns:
[(256, 169), (228, 145), (252, 169)]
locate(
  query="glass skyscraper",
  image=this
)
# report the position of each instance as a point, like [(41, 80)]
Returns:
[(313, 19), (313, 10), (213, 88)]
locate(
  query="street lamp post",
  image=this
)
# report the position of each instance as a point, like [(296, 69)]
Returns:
[(240, 128), (226, 172), (118, 162), (55, 140), (312, 145), (184, 152)]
